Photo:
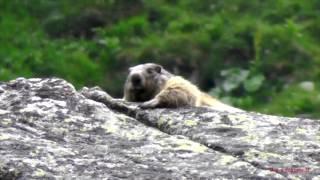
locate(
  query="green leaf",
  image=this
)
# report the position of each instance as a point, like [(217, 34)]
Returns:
[(254, 83), (234, 77)]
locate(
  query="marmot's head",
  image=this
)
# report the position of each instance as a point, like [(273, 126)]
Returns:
[(145, 81)]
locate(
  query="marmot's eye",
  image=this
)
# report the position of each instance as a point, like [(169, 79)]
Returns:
[(149, 70)]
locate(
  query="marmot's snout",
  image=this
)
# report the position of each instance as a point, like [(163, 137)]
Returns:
[(136, 79)]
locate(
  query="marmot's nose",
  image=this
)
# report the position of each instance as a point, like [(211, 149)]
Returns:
[(135, 79)]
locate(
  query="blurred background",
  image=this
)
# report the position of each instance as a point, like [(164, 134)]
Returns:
[(258, 55)]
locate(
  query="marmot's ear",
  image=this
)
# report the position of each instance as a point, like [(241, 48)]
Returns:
[(158, 68)]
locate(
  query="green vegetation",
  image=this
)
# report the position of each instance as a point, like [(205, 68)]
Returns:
[(253, 54)]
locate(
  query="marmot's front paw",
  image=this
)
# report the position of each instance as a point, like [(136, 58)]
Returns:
[(149, 104), (95, 93)]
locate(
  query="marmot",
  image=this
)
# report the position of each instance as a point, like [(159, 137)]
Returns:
[(154, 86)]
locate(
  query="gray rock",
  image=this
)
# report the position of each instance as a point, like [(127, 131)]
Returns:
[(48, 130)]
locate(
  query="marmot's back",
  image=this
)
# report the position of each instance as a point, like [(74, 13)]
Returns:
[(179, 92)]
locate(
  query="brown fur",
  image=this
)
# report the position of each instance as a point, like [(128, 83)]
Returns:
[(167, 90), (144, 82)]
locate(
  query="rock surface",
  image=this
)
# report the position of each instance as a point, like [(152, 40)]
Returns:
[(48, 130)]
